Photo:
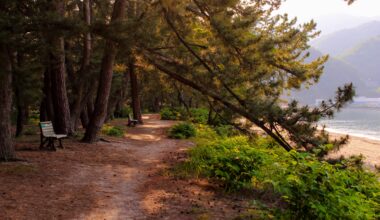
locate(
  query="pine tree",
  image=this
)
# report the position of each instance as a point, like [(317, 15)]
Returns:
[(243, 57), (6, 145), (105, 81)]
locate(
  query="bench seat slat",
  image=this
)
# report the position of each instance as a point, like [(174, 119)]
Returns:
[(48, 130)]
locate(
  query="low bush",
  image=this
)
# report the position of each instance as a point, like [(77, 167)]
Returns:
[(196, 115), (113, 131), (226, 131), (310, 188), (123, 112), (205, 133), (182, 131), (199, 115), (170, 114)]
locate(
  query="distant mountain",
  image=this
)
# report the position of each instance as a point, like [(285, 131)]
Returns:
[(365, 57), (336, 74), (336, 22), (338, 42)]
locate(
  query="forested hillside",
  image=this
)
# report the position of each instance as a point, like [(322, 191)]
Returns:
[(338, 42), (365, 57), (353, 57), (336, 72)]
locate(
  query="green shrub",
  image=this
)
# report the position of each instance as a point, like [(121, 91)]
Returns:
[(113, 131), (226, 131), (199, 115), (196, 115), (311, 189), (182, 131), (205, 133), (34, 118), (319, 190), (230, 160), (123, 112), (170, 114)]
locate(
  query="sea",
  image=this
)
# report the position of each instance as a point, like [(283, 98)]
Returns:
[(356, 121)]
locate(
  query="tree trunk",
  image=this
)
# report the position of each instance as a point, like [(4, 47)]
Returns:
[(77, 106), (105, 80), (21, 119), (6, 146), (47, 109), (84, 118), (136, 107), (22, 115), (61, 106), (156, 106)]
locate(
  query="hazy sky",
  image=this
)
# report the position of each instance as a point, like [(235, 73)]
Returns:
[(307, 9)]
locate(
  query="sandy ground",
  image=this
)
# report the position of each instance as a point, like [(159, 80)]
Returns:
[(370, 149), (128, 178), (99, 181)]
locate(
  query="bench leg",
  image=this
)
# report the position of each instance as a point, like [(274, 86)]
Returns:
[(43, 142), (60, 143), (51, 144)]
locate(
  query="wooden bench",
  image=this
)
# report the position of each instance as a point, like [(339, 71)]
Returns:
[(49, 136), (131, 121)]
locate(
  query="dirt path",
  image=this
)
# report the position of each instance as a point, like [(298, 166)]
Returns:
[(101, 181)]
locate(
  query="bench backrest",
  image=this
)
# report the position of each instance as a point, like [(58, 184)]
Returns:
[(47, 128)]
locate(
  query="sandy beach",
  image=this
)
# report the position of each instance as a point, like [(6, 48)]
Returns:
[(370, 149)]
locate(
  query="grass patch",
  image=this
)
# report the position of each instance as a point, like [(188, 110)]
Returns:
[(17, 169)]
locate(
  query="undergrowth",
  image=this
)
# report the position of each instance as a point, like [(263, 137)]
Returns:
[(182, 131), (195, 115), (114, 131), (310, 188)]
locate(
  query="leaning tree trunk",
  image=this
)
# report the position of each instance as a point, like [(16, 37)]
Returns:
[(6, 145), (61, 106), (136, 107), (105, 80)]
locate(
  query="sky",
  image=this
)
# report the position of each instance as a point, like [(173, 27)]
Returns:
[(308, 9)]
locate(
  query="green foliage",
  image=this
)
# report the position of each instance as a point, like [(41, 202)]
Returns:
[(230, 160), (170, 114), (182, 131), (206, 133), (123, 112), (196, 115), (318, 190), (113, 131), (226, 131), (199, 115), (312, 189)]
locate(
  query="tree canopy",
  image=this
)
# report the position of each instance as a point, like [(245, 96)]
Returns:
[(71, 61)]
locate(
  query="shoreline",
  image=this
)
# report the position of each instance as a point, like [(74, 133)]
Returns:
[(337, 132), (369, 148)]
